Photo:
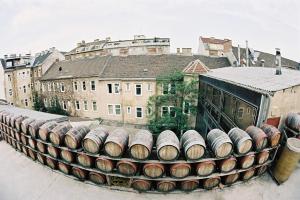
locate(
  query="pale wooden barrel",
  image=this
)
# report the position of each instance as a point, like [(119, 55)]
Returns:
[(116, 142), (45, 130), (246, 161), (67, 155), (189, 185), (24, 139), (18, 122), (205, 168), (230, 179), (57, 134), (141, 185), (34, 127), (41, 147), (32, 143), (180, 170), (53, 151), (220, 143), (32, 154), (7, 119), (79, 173), (13, 120), (75, 135), (104, 164), (166, 186), (210, 183), (241, 140), (84, 160), (19, 146), (153, 170), (93, 141), (51, 163), (273, 134), (228, 164), (246, 175), (126, 168), (193, 145), (262, 157), (140, 145), (261, 170), (24, 125), (167, 145), (41, 158), (258, 136), (293, 121), (64, 168), (97, 178)]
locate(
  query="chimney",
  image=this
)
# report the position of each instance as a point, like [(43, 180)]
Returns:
[(247, 56), (278, 62), (78, 44), (178, 50), (83, 42), (239, 56), (262, 63), (187, 51)]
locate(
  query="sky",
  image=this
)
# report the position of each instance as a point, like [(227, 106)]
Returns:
[(36, 25)]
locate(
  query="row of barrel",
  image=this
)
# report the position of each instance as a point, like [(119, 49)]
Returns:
[(136, 183), (140, 145)]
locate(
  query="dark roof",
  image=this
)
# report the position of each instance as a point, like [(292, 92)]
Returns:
[(40, 59), (212, 40), (3, 64), (267, 57)]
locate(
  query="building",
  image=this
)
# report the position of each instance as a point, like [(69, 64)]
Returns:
[(140, 45), (2, 89), (210, 46)]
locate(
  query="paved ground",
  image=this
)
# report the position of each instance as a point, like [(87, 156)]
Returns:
[(23, 179)]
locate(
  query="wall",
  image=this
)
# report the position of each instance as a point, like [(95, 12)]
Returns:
[(2, 90)]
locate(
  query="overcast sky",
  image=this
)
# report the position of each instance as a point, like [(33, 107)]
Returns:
[(35, 25)]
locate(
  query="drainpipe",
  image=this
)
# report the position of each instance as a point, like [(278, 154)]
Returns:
[(247, 56), (261, 117), (239, 56)]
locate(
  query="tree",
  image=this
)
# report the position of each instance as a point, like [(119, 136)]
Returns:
[(38, 103), (171, 109), (55, 107)]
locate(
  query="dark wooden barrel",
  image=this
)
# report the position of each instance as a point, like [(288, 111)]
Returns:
[(189, 185), (140, 145), (230, 179), (116, 142), (79, 173), (57, 134), (18, 122), (293, 121), (228, 164), (246, 175), (32, 154), (24, 125), (167, 146), (97, 178), (126, 168), (261, 170), (260, 139), (210, 183), (153, 170), (241, 140), (45, 130), (67, 155), (13, 120), (41, 147), (104, 164), (246, 161), (32, 143), (51, 163), (34, 127), (53, 151), (262, 157), (220, 143), (141, 185), (193, 145), (75, 135), (93, 141), (205, 168), (166, 186), (24, 139), (85, 160), (273, 134), (41, 158), (180, 170), (64, 168)]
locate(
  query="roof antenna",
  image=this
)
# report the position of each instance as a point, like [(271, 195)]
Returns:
[(239, 56), (247, 56), (278, 61)]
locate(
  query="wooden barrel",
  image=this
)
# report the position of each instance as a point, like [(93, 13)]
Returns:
[(79, 173), (288, 160), (166, 186), (153, 170), (13, 120), (67, 155), (64, 168), (84, 160), (205, 168), (34, 127), (24, 139), (261, 170), (126, 168), (293, 121), (7, 119), (180, 170), (141, 185), (246, 175), (246, 161), (140, 145), (93, 141), (260, 139), (273, 134), (116, 142), (262, 157), (32, 143), (18, 122), (75, 135), (210, 183), (41, 158), (53, 151), (57, 134), (220, 143), (193, 145), (189, 185), (228, 164), (230, 179), (167, 146), (104, 164), (241, 140), (97, 178), (41, 147), (32, 154), (24, 125), (45, 130), (19, 146), (51, 163)]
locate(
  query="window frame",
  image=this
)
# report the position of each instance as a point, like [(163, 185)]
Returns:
[(141, 112), (77, 105), (93, 85), (128, 109), (62, 87), (141, 89), (83, 86), (75, 86), (94, 103), (85, 105)]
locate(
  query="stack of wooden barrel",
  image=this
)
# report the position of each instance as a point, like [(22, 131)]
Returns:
[(140, 161)]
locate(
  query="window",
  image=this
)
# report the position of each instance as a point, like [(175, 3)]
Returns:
[(26, 102), (240, 112), (53, 86), (172, 88), (93, 86), (85, 105), (62, 87), (114, 109), (118, 109), (138, 89), (248, 110), (43, 87), (186, 107), (164, 111), (149, 87), (168, 111), (127, 86), (45, 102), (109, 87), (94, 103), (172, 111), (117, 88), (128, 110), (139, 112), (77, 105), (50, 102), (9, 77), (169, 88), (49, 87), (149, 111), (10, 92), (110, 109), (24, 88), (75, 86), (83, 86), (165, 88), (64, 105)]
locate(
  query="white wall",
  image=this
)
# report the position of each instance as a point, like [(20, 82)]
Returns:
[(2, 91)]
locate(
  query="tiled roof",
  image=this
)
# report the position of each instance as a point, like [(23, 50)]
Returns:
[(196, 67), (212, 40), (40, 59)]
